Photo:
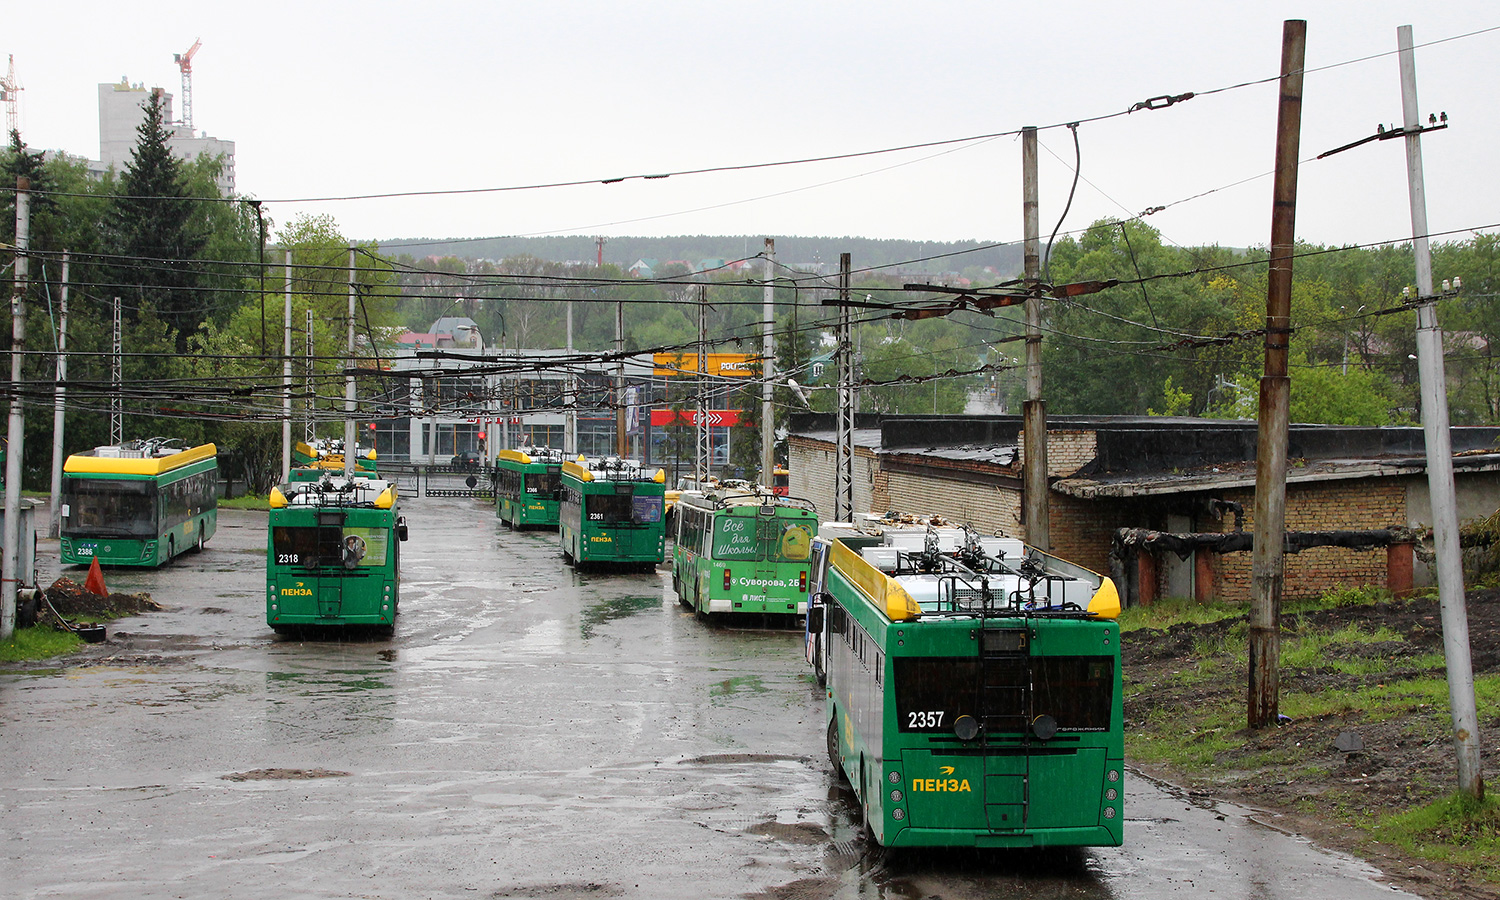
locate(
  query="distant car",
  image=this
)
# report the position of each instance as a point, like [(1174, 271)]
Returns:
[(468, 459)]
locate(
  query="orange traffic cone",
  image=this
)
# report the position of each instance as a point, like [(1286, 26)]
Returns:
[(94, 584)]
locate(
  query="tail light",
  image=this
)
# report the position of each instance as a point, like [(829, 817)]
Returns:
[(802, 582), (726, 578)]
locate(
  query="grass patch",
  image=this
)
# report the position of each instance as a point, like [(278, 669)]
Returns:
[(1456, 829), (249, 501), (1171, 611), (37, 643)]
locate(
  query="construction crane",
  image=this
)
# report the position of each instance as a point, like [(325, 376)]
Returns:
[(185, 63), (9, 88)]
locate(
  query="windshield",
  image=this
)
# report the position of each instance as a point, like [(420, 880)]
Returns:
[(109, 507)]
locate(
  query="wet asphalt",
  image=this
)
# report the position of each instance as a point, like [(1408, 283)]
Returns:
[(527, 732)]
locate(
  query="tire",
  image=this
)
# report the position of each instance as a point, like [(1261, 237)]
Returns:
[(833, 751), (171, 548), (198, 546)]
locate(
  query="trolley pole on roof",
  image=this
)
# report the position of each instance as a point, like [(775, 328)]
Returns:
[(843, 456), (1439, 442), (1262, 694), (10, 567), (1038, 510)]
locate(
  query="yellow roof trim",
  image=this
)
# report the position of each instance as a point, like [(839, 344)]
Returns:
[(1106, 601), (514, 456), (277, 500), (88, 464), (889, 597), (577, 470)]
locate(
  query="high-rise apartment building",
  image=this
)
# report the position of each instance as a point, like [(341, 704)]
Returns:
[(121, 110)]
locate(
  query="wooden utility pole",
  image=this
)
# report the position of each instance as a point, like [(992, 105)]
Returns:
[(10, 568), (1275, 397), (1450, 576), (1038, 511)]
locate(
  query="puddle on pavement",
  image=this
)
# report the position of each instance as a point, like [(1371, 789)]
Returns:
[(283, 775), (741, 684), (610, 610)]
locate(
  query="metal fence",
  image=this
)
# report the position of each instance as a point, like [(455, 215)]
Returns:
[(417, 480)]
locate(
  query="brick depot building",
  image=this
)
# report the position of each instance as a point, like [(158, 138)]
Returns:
[(1190, 480)]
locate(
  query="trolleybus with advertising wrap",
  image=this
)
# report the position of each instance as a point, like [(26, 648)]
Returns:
[(528, 486), (973, 688), (334, 553), (138, 504), (612, 513), (743, 552)]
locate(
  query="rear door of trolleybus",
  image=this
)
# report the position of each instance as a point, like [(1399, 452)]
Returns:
[(308, 545)]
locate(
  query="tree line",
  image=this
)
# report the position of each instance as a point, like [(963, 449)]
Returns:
[(200, 281)]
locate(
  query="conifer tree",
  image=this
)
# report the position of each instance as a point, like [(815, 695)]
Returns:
[(156, 231)]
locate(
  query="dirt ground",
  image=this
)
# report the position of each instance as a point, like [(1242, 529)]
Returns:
[(70, 600), (1298, 768)]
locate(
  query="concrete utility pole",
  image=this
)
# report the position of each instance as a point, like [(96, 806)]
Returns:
[(1038, 510), (767, 371), (1263, 691), (622, 445), (843, 454), (286, 374), (54, 526), (1450, 575), (570, 396), (350, 438), (10, 568)]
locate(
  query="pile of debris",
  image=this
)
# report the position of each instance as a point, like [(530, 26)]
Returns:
[(74, 602)]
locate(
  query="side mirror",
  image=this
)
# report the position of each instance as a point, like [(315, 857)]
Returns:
[(814, 618), (401, 528)]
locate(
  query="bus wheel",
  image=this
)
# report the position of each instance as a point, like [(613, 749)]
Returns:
[(171, 548), (198, 545), (833, 751)]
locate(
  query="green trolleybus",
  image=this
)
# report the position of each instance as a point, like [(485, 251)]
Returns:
[(334, 553), (743, 552), (611, 513), (138, 504), (327, 454), (973, 689), (528, 486)]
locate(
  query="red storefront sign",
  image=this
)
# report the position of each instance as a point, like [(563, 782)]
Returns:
[(716, 417)]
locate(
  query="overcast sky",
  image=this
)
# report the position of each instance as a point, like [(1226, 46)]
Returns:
[(330, 99)]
